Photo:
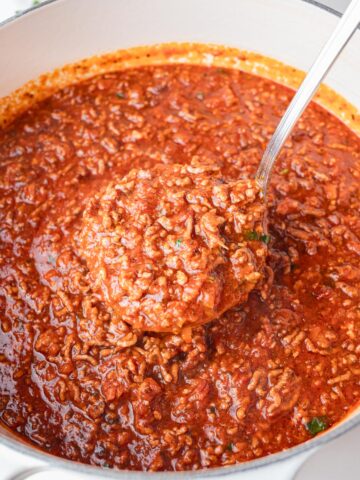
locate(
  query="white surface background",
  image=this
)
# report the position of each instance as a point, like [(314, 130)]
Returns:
[(341, 458)]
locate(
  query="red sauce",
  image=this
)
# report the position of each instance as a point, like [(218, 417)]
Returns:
[(79, 381)]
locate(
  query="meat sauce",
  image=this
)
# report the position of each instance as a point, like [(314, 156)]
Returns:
[(170, 247), (79, 377)]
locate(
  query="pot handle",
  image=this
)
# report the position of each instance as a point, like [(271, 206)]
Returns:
[(17, 466)]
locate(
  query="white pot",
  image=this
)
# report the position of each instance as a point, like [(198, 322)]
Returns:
[(64, 31)]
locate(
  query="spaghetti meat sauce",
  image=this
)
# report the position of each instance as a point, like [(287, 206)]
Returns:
[(148, 324)]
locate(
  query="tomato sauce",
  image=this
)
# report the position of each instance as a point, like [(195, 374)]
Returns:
[(80, 378)]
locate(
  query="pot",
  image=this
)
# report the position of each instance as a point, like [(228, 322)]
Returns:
[(59, 32)]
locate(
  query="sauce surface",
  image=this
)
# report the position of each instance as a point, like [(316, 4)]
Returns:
[(77, 380)]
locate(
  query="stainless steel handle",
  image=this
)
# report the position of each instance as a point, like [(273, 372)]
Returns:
[(329, 53)]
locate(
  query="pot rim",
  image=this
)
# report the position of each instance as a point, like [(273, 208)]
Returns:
[(27, 449), (21, 447), (24, 12)]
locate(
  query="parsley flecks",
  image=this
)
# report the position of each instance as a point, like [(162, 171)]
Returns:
[(212, 409), (200, 95), (285, 171), (265, 239), (252, 235), (229, 447), (178, 242), (317, 425), (120, 94), (34, 3)]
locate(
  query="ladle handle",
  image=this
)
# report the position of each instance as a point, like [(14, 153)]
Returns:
[(329, 53)]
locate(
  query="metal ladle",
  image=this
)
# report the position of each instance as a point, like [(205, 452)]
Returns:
[(329, 53)]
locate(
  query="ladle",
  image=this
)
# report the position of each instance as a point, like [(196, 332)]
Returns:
[(329, 53)]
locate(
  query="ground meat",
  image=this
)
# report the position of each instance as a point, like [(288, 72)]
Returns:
[(76, 379), (174, 245)]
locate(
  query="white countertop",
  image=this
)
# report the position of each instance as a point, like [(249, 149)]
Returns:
[(341, 458)]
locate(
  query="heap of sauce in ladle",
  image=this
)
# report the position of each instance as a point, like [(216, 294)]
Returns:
[(174, 245)]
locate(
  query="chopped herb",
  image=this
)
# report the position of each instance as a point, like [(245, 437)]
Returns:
[(120, 95), (212, 409), (229, 447), (317, 425), (252, 235), (33, 4), (294, 267), (200, 96), (106, 465), (265, 239), (285, 171), (178, 242)]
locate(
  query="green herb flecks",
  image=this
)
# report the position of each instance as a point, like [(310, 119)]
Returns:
[(229, 447), (252, 235), (212, 409), (200, 95), (317, 425), (178, 242), (120, 95), (34, 3), (265, 239), (285, 171)]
